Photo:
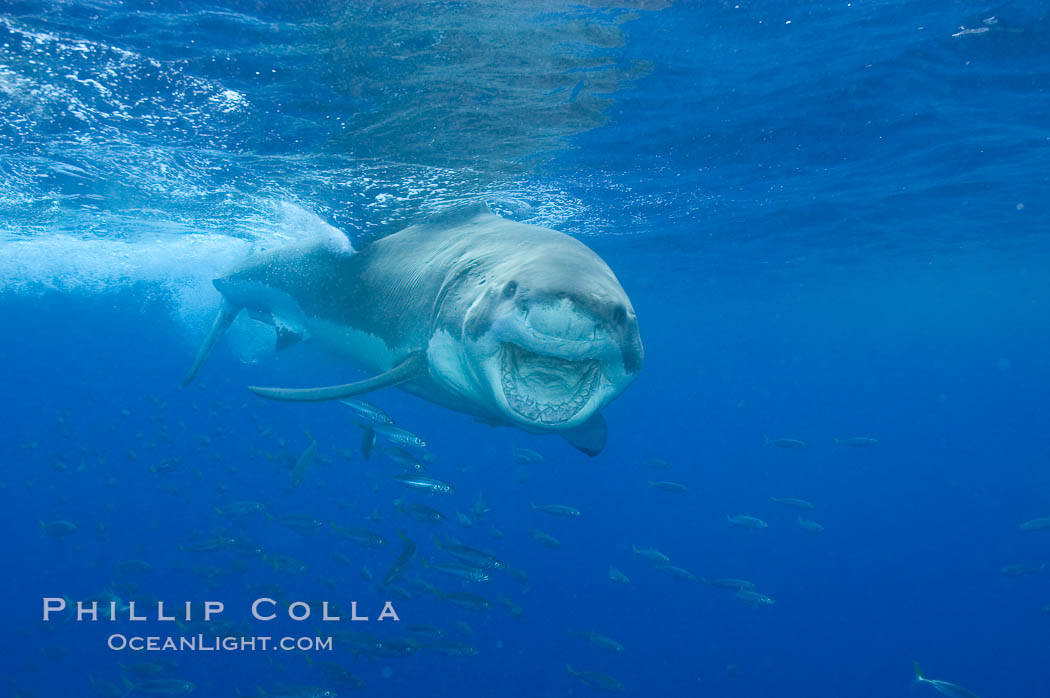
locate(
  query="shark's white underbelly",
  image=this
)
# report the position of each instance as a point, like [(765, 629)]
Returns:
[(362, 348)]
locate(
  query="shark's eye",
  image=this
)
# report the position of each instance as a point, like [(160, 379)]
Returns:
[(510, 289), (619, 315)]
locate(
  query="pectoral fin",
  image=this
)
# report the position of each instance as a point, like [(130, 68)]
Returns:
[(589, 437), (227, 314), (412, 366)]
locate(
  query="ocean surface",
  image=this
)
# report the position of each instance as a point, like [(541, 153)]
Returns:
[(831, 218)]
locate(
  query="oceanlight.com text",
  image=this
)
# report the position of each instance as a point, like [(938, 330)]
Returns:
[(201, 643)]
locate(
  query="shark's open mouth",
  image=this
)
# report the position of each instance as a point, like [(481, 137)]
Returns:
[(546, 389)]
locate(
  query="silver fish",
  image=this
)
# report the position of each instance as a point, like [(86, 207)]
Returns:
[(745, 521), (652, 555), (793, 502), (459, 570), (422, 482), (945, 688), (668, 486), (472, 556), (729, 583), (752, 597), (809, 526), (677, 572), (367, 411), (790, 444), (1039, 524), (557, 509), (398, 436), (303, 463), (858, 441)]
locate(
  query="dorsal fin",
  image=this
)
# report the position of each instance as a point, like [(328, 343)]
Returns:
[(456, 215)]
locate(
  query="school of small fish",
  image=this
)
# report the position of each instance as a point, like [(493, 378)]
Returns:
[(436, 563)]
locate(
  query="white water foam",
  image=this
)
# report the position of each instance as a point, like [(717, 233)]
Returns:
[(162, 259)]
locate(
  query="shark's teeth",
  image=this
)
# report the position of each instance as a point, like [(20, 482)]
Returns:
[(581, 376)]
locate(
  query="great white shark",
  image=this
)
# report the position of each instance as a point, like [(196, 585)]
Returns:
[(513, 323)]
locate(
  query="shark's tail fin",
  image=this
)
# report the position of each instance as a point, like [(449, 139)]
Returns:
[(227, 313), (918, 672)]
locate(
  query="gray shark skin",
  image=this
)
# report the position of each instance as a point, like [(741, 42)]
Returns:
[(512, 323)]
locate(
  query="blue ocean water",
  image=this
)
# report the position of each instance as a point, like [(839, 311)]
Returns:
[(831, 220)]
